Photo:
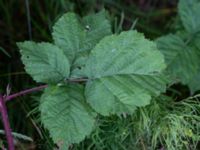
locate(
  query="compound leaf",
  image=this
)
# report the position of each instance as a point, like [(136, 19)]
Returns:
[(44, 62), (65, 114), (124, 72)]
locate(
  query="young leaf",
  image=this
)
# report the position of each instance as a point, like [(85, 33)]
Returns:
[(69, 34), (124, 72), (189, 13), (182, 61), (44, 62), (96, 26), (65, 114), (74, 35)]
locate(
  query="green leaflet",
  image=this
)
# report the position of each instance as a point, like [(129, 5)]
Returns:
[(124, 72), (65, 114), (182, 60), (189, 13), (69, 34), (74, 35), (44, 62), (97, 26)]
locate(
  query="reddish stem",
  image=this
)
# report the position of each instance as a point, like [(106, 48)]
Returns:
[(6, 124), (28, 91), (4, 113)]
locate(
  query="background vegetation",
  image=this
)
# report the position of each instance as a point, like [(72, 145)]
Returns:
[(151, 127)]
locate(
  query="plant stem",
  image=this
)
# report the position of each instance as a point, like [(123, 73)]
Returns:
[(6, 124), (28, 91), (4, 113)]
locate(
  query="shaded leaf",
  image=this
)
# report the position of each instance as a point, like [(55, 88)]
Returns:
[(194, 83), (182, 60), (189, 13)]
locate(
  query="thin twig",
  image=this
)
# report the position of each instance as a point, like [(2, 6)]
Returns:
[(28, 91), (6, 124)]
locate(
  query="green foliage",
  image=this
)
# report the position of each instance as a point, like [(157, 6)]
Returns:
[(182, 60), (189, 13), (44, 62), (69, 34), (65, 113), (125, 78), (182, 50), (173, 124), (75, 35), (100, 83), (122, 72)]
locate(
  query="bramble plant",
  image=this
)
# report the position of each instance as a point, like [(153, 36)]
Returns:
[(89, 72), (119, 74)]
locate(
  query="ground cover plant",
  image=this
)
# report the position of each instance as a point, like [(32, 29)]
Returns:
[(113, 89)]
